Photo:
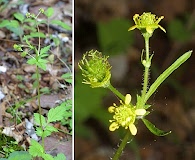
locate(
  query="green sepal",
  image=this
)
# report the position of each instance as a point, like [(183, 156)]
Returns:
[(166, 73), (153, 129)]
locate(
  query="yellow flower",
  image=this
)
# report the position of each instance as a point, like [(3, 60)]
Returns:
[(147, 22), (125, 115)]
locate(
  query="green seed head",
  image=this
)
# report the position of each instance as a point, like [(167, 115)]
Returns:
[(96, 69)]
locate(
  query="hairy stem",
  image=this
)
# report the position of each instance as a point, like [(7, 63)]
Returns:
[(146, 71), (122, 146)]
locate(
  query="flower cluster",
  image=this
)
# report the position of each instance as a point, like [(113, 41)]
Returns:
[(147, 22), (96, 69), (125, 115)]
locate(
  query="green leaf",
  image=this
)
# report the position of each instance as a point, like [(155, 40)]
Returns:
[(35, 149), (113, 36), (23, 54), (155, 130), (47, 157), (41, 63), (51, 128), (61, 24), (37, 119), (25, 38), (19, 155), (39, 131), (32, 61), (166, 73), (19, 16), (44, 50), (45, 90), (60, 156), (4, 23), (56, 114), (47, 131), (37, 34), (30, 28), (13, 26), (49, 12), (67, 77)]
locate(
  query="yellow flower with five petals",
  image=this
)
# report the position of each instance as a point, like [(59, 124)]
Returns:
[(125, 115)]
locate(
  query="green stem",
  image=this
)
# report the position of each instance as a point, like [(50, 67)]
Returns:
[(38, 84), (116, 92), (122, 146), (146, 72), (39, 102)]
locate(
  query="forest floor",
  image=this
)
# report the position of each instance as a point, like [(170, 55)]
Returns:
[(18, 93)]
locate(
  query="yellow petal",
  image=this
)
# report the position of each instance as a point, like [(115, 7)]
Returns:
[(132, 28), (113, 126), (162, 28), (140, 112), (149, 30), (133, 129), (111, 109), (127, 98)]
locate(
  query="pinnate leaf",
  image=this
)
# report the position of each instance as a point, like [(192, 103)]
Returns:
[(37, 119), (36, 149), (44, 50)]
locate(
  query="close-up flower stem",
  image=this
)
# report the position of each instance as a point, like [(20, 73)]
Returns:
[(116, 92), (146, 71)]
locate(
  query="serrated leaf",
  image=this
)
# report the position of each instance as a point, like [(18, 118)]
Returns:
[(153, 128), (37, 119), (56, 114), (51, 128), (61, 24), (19, 16), (60, 156), (49, 12), (39, 131), (47, 157), (42, 63), (19, 155), (44, 50), (47, 131), (32, 61), (35, 149)]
